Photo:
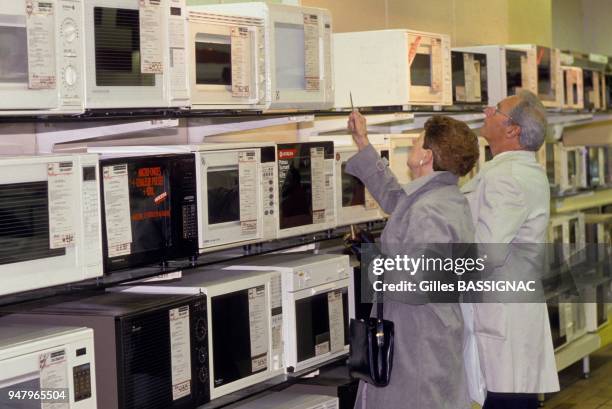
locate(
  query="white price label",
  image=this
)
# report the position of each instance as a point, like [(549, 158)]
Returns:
[(336, 320), (312, 70), (40, 25), (60, 179), (117, 209), (317, 169), (53, 368), (151, 41), (247, 176), (180, 352), (258, 328), (241, 61)]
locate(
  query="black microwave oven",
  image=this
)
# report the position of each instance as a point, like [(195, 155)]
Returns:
[(151, 350), (150, 210)]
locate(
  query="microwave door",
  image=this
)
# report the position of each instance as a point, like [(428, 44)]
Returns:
[(223, 65), (17, 92), (546, 86), (290, 57), (295, 185), (28, 382)]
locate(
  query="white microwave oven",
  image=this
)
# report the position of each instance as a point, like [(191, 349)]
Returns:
[(227, 62), (136, 54), (354, 203), (567, 236), (50, 360), (236, 190), (306, 189), (41, 70), (549, 76), (150, 349), (298, 52), (318, 303), (400, 146), (245, 321), (574, 88), (50, 229), (288, 400), (594, 89), (509, 70), (566, 167), (470, 85), (416, 68)]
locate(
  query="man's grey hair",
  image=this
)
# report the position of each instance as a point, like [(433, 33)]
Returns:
[(530, 115)]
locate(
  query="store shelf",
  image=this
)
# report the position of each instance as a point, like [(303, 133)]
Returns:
[(581, 201), (577, 350)]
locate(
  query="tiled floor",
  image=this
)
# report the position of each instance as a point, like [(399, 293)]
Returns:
[(592, 393)]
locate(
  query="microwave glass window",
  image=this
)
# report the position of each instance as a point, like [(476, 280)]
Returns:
[(150, 192), (13, 55), (353, 190), (231, 336), (117, 43), (545, 87), (420, 70), (295, 192), (32, 384), (223, 196), (24, 223), (514, 72), (557, 242), (313, 324), (213, 63), (594, 176), (290, 56), (572, 165)]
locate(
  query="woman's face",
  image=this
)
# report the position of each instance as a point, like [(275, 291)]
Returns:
[(416, 155)]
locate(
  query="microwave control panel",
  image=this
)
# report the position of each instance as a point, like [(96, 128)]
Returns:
[(269, 191), (70, 52)]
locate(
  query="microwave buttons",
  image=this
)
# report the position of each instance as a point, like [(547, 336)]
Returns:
[(69, 30), (70, 76), (201, 330)]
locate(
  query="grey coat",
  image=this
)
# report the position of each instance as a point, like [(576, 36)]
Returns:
[(428, 370)]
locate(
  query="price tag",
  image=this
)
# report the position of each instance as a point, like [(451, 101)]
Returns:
[(151, 50), (61, 204), (40, 26)]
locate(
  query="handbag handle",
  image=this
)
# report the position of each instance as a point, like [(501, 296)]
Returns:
[(380, 333)]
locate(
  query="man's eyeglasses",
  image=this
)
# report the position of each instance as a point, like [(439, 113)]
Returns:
[(491, 111)]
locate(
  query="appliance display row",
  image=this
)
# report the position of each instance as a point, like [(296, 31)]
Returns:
[(181, 343), (130, 54)]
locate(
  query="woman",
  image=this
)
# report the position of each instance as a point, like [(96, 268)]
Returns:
[(428, 370)]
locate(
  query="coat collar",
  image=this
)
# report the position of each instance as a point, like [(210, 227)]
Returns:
[(526, 156), (432, 181)]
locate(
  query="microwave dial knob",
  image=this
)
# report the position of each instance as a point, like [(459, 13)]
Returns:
[(69, 30), (202, 355), (201, 329), (203, 375), (70, 76)]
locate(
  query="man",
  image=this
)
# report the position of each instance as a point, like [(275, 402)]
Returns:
[(510, 202)]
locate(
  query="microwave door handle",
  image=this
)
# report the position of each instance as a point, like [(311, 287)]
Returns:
[(325, 288)]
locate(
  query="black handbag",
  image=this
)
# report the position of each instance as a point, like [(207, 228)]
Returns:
[(371, 348)]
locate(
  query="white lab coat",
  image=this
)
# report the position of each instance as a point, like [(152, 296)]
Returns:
[(510, 203)]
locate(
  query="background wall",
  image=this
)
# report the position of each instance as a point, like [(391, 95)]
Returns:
[(582, 25)]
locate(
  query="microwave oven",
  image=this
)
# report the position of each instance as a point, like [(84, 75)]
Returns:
[(150, 209), (566, 167), (354, 204), (400, 146), (509, 70), (135, 54), (47, 359), (596, 172), (318, 302), (594, 89), (574, 88), (245, 316), (50, 230), (227, 62), (151, 350), (567, 238), (288, 400), (470, 87), (41, 71), (417, 68), (568, 319), (549, 76), (298, 52), (306, 188)]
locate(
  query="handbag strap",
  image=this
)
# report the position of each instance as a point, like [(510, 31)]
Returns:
[(379, 301)]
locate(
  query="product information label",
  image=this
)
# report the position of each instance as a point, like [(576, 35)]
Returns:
[(317, 169), (329, 190), (312, 72), (336, 320), (241, 61), (91, 209), (436, 66), (180, 350), (117, 209), (277, 341), (151, 50), (53, 375), (40, 26), (258, 328), (414, 46), (62, 211), (247, 191)]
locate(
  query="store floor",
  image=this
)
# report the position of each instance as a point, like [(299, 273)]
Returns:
[(578, 393)]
